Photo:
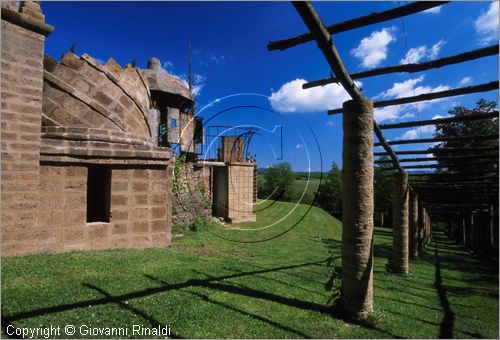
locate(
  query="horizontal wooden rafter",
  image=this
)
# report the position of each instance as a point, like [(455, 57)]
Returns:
[(468, 118), (427, 159), (441, 139), (448, 150), (441, 166), (493, 85), (414, 7), (412, 68)]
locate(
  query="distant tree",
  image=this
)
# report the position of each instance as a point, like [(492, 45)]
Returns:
[(329, 195), (279, 180), (383, 192), (72, 49), (478, 127)]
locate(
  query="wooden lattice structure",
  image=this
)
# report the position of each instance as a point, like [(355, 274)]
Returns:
[(417, 197)]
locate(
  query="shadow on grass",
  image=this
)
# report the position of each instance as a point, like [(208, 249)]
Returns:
[(237, 310), (446, 327), (152, 321), (209, 283)]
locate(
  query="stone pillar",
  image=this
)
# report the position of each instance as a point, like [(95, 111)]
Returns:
[(413, 225), (400, 223), (23, 38), (491, 226), (429, 229), (468, 231), (357, 209), (473, 229), (421, 227), (464, 231)]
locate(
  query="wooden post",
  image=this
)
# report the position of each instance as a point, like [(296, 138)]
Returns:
[(357, 209), (400, 223), (413, 226)]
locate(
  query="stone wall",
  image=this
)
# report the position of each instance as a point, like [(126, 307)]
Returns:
[(139, 210), (191, 194), (234, 191), (23, 35), (71, 130), (240, 192)]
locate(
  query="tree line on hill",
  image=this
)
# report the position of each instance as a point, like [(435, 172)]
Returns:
[(279, 182)]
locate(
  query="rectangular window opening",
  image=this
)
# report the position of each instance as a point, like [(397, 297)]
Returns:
[(173, 123), (98, 194)]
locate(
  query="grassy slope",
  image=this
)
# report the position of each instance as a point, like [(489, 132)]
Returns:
[(204, 286)]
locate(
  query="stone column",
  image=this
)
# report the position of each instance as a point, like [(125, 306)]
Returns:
[(400, 223), (23, 37), (464, 232), (491, 226), (357, 209), (413, 225), (421, 227)]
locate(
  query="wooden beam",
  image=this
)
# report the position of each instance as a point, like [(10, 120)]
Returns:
[(327, 46), (468, 118), (450, 174), (440, 139), (493, 85), (412, 68), (351, 24), (440, 166), (441, 151), (427, 159), (387, 148)]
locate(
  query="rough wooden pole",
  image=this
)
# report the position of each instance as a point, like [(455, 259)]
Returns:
[(400, 223), (413, 239), (357, 209)]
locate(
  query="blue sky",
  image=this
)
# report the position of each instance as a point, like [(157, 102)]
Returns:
[(230, 57)]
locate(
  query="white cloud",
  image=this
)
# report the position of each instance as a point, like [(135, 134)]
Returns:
[(414, 55), (373, 50), (330, 123), (197, 85), (433, 10), (292, 98), (406, 88), (421, 131), (465, 81), (486, 24), (299, 146), (167, 65), (418, 132), (387, 113)]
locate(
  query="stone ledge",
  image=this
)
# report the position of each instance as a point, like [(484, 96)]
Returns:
[(27, 22), (92, 134)]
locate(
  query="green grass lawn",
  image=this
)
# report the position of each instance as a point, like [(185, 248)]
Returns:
[(205, 286)]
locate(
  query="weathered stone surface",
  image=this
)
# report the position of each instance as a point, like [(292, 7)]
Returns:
[(191, 195), (357, 209), (400, 226), (61, 119)]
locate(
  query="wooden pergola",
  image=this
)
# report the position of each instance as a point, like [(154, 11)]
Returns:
[(456, 197)]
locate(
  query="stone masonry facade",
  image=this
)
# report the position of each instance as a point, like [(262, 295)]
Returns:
[(81, 165)]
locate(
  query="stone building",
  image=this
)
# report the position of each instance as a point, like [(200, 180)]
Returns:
[(83, 162), (87, 159), (233, 183)]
